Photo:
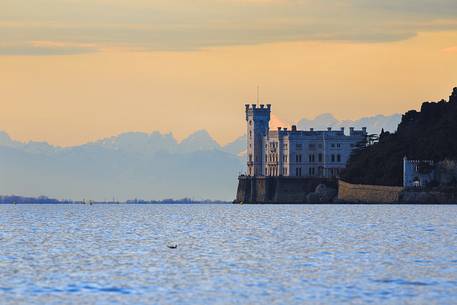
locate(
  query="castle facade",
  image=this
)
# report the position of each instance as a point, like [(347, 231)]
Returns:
[(296, 153)]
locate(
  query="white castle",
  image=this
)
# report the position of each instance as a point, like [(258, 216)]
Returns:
[(295, 153)]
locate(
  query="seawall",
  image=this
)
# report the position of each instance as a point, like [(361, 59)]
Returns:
[(278, 189), (358, 193)]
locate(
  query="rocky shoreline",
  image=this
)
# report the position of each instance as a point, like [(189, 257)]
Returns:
[(298, 190)]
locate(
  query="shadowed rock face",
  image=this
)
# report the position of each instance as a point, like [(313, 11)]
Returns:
[(453, 97), (285, 190), (446, 173), (322, 194), (428, 134)]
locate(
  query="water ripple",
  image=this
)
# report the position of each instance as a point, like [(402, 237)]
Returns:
[(289, 254)]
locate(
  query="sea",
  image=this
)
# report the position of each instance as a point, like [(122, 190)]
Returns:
[(228, 254)]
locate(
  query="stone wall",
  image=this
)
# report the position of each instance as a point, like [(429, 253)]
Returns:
[(278, 189), (358, 193), (297, 189), (428, 197)]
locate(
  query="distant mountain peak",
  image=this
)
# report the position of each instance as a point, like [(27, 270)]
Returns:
[(325, 116), (373, 123), (5, 139), (198, 141), (139, 142), (199, 133)]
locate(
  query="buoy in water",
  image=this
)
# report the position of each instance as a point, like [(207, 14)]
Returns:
[(173, 246)]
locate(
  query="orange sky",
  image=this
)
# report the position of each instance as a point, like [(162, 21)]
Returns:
[(68, 99)]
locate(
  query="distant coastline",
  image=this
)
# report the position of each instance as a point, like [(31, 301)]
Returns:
[(14, 199)]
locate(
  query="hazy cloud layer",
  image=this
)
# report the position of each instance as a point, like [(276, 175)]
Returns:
[(29, 27)]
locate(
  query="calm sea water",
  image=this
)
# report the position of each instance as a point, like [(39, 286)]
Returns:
[(228, 254)]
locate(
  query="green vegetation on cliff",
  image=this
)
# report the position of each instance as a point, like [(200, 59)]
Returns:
[(428, 134)]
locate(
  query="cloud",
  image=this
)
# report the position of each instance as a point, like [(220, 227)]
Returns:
[(450, 49), (41, 48), (90, 25)]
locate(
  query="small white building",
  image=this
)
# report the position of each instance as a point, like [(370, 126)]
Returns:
[(297, 153), (417, 173)]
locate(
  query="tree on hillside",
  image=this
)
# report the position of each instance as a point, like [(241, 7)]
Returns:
[(428, 134)]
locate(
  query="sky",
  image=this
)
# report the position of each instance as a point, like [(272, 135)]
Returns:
[(73, 71)]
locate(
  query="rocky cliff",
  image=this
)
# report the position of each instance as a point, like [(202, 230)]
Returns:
[(285, 190), (428, 134)]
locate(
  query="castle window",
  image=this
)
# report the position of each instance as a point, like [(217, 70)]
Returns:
[(320, 157), (333, 158), (250, 133), (298, 171), (338, 145), (250, 158), (338, 158), (333, 144)]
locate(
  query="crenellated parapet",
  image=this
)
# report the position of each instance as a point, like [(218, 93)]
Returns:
[(358, 132), (417, 173), (258, 111), (431, 162)]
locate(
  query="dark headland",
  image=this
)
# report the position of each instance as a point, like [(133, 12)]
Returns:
[(415, 164)]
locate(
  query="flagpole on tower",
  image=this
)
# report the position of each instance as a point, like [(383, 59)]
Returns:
[(258, 96)]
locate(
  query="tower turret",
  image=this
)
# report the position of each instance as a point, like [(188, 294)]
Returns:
[(258, 125)]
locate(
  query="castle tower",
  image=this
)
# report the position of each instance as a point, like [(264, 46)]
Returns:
[(258, 124)]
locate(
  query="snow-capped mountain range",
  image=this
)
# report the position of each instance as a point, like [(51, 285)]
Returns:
[(140, 165)]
